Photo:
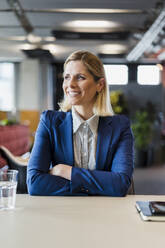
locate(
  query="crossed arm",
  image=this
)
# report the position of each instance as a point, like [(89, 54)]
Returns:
[(62, 170)]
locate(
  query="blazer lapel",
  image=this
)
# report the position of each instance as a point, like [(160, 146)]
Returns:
[(103, 141), (66, 134)]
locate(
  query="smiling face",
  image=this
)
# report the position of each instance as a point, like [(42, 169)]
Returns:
[(79, 85)]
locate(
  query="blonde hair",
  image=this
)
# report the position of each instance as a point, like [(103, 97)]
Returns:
[(102, 106)]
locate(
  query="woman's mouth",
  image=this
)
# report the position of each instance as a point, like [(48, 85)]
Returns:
[(73, 93)]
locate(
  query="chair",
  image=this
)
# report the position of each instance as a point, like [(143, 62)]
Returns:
[(131, 190), (16, 163)]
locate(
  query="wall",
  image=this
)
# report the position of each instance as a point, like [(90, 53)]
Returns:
[(28, 93), (34, 91), (29, 85)]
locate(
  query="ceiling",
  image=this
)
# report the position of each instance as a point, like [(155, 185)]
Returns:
[(112, 28)]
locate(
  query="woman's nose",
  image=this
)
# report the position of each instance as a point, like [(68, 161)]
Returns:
[(72, 82)]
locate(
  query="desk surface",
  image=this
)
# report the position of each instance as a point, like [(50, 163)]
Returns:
[(43, 222)]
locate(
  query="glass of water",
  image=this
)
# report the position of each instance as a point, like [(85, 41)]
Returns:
[(8, 187)]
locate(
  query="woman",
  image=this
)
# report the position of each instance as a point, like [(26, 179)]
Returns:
[(83, 149)]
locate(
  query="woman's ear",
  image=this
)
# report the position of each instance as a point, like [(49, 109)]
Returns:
[(100, 84)]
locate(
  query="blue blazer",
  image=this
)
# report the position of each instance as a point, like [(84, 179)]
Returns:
[(54, 145)]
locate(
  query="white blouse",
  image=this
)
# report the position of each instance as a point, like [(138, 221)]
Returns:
[(85, 140)]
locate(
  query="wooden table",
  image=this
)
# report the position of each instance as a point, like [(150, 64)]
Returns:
[(59, 222)]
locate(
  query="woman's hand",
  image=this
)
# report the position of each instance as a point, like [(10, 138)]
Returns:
[(62, 170)]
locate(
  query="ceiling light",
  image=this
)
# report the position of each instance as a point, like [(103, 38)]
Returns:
[(91, 24), (56, 49), (108, 11), (49, 38), (17, 38), (33, 38), (88, 10), (26, 46), (112, 48)]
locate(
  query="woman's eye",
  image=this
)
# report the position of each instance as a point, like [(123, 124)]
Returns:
[(80, 77), (66, 77)]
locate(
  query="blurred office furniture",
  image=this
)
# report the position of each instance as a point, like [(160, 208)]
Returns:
[(16, 138), (14, 142), (19, 164), (131, 190)]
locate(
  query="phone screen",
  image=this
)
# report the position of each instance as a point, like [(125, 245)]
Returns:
[(157, 207)]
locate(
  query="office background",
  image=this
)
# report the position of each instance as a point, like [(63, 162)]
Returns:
[(37, 36)]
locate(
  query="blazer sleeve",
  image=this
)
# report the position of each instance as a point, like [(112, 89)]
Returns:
[(114, 182), (39, 181)]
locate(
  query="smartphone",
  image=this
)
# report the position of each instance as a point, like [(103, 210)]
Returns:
[(157, 207)]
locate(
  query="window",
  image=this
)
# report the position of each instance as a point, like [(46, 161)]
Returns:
[(116, 74), (6, 86), (148, 75)]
